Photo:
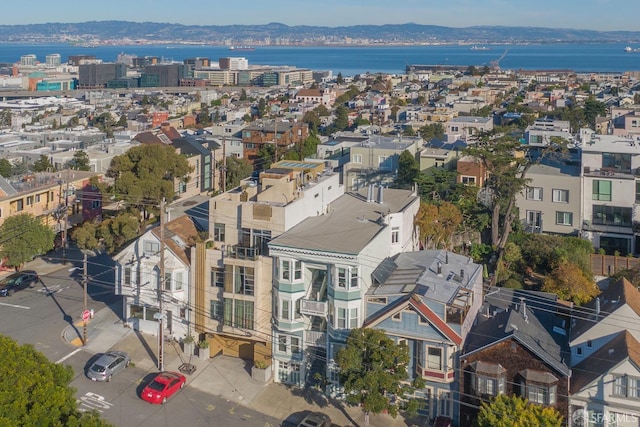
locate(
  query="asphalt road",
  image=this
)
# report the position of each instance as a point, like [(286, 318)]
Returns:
[(38, 316), (118, 401)]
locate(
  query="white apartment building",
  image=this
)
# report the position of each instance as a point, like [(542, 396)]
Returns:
[(611, 188)]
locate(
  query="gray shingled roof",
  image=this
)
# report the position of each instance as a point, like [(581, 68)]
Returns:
[(350, 225), (535, 332)]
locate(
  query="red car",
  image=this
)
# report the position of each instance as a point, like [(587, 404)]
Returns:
[(162, 387)]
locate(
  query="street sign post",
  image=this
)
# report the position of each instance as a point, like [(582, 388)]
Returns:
[(86, 315)]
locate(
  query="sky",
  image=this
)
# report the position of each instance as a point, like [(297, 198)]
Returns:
[(603, 15)]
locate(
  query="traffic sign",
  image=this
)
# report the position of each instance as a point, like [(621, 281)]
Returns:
[(86, 315)]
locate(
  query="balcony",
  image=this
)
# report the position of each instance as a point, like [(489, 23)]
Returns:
[(314, 308), (315, 339), (242, 252), (611, 172)]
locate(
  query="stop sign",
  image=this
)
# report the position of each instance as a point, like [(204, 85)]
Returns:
[(86, 315)]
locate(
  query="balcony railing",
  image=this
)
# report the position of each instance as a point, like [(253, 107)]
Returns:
[(242, 252), (314, 308), (315, 339)]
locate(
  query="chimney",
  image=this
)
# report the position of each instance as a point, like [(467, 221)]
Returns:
[(370, 193), (446, 257), (462, 273), (380, 200), (439, 268), (597, 306)]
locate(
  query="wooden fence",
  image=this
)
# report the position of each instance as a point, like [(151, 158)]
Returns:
[(606, 265)]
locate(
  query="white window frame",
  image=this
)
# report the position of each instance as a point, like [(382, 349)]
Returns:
[(356, 158), (354, 318), (395, 235), (468, 180), (564, 218), (285, 309), (559, 195), (534, 193), (341, 317), (431, 362), (290, 270), (179, 280), (150, 247)]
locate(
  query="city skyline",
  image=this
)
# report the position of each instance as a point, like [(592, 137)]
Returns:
[(600, 15)]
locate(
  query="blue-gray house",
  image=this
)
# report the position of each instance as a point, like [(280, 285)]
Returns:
[(428, 300)]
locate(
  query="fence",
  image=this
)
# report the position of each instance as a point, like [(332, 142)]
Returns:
[(606, 265)]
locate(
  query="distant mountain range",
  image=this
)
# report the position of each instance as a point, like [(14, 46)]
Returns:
[(277, 33)]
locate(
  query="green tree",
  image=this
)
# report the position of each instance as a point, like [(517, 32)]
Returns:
[(593, 109), (408, 131), (36, 391), (312, 119), (42, 164), (266, 154), (5, 118), (262, 108), (339, 79), (408, 169), (432, 131), (19, 168), (342, 119), (570, 283), (115, 232), (122, 121), (237, 169), (243, 95), (24, 237), (147, 173), (5, 168), (437, 223), (373, 368), (80, 161), (510, 411)]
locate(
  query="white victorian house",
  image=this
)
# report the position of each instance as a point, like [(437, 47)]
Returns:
[(139, 281)]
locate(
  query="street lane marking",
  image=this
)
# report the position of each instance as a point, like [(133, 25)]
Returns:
[(94, 402), (15, 306), (69, 355)]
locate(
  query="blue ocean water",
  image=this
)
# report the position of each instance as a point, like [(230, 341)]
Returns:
[(353, 60)]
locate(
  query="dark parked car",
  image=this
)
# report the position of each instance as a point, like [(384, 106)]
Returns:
[(108, 365), (17, 281), (315, 419)]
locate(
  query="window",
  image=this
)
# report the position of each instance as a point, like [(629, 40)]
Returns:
[(468, 180), (95, 204), (356, 158), (295, 344), (620, 385), (342, 277), (489, 386), (151, 248), (384, 162), (434, 358), (238, 279), (397, 317), (284, 313), (167, 281), (395, 235), (29, 200), (297, 270), (589, 344), (19, 205), (619, 161), (216, 310), (564, 218), (218, 232), (560, 196), (579, 351), (637, 191), (354, 278), (534, 193), (342, 318), (626, 386), (127, 276), (37, 198), (601, 190), (217, 277), (179, 280), (353, 318), (282, 344), (261, 238), (243, 314), (541, 394), (286, 270), (612, 215)]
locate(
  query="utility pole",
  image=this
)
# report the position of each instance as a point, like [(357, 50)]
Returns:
[(85, 282), (160, 292), (275, 140), (66, 222), (224, 165)]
